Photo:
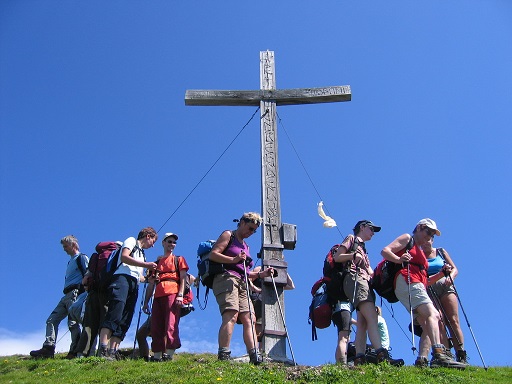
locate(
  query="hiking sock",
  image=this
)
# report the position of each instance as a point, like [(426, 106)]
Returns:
[(170, 353), (157, 355)]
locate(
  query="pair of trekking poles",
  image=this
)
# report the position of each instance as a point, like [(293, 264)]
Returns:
[(250, 315), (280, 311), (436, 299)]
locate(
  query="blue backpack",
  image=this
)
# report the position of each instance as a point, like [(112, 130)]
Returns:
[(206, 268)]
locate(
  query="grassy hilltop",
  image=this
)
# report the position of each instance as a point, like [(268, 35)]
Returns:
[(204, 368)]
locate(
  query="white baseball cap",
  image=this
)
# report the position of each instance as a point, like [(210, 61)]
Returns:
[(430, 224)]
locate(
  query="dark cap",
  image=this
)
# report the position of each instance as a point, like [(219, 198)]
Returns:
[(367, 223)]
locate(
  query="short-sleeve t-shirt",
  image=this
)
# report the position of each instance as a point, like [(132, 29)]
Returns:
[(131, 270)]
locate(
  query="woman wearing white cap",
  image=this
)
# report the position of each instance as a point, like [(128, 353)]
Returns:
[(410, 289)]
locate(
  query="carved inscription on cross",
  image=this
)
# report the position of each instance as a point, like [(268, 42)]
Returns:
[(276, 236)]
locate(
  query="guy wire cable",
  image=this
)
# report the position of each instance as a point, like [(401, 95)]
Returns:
[(304, 168), (396, 321), (211, 167), (320, 197)]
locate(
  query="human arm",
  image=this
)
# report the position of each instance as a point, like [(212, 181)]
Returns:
[(181, 288), (126, 257), (390, 251), (149, 292), (251, 280), (452, 272), (217, 255), (261, 274)]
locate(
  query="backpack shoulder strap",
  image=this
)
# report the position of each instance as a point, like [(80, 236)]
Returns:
[(231, 239), (440, 252), (410, 244), (79, 263)]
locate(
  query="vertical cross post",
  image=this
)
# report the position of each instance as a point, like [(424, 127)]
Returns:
[(276, 236)]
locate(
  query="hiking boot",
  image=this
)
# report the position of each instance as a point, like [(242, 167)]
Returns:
[(360, 359), (383, 355), (47, 352), (462, 356), (371, 356), (441, 359), (224, 355), (255, 357), (103, 352), (421, 362), (70, 356), (154, 359), (351, 351), (115, 354)]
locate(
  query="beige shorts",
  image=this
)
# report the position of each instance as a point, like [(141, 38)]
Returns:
[(363, 292), (418, 293), (441, 289), (231, 294)]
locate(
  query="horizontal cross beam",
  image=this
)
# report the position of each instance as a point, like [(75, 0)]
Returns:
[(280, 96)]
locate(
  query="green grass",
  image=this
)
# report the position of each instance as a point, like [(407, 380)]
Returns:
[(204, 368)]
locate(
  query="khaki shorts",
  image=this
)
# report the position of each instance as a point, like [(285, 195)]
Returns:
[(418, 293), (441, 289), (363, 291), (231, 294)]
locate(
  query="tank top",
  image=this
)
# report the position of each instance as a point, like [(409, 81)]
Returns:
[(234, 250), (418, 265)]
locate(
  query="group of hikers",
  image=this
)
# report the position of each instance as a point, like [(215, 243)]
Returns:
[(423, 284), (424, 287)]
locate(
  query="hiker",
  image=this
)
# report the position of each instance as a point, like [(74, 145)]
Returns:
[(342, 319), (96, 301), (255, 285), (357, 288), (410, 289), (72, 288), (438, 258), (169, 288), (123, 291), (383, 329), (230, 287)]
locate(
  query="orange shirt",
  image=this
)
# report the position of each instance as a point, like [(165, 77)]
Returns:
[(167, 266)]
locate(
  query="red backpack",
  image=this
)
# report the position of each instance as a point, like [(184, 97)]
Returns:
[(320, 309)]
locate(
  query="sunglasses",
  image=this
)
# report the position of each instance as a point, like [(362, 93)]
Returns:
[(429, 231), (252, 229), (171, 242), (371, 228)]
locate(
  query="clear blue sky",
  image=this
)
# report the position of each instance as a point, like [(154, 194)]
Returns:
[(97, 142)]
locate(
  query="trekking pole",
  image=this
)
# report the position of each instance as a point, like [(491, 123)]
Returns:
[(138, 320), (249, 304), (410, 308), (467, 321), (282, 318), (446, 321)]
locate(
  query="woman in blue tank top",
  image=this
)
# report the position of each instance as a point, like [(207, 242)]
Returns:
[(443, 291)]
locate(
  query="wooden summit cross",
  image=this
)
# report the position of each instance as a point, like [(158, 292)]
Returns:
[(276, 236)]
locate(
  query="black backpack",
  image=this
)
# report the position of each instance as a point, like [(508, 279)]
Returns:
[(334, 273), (384, 276)]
